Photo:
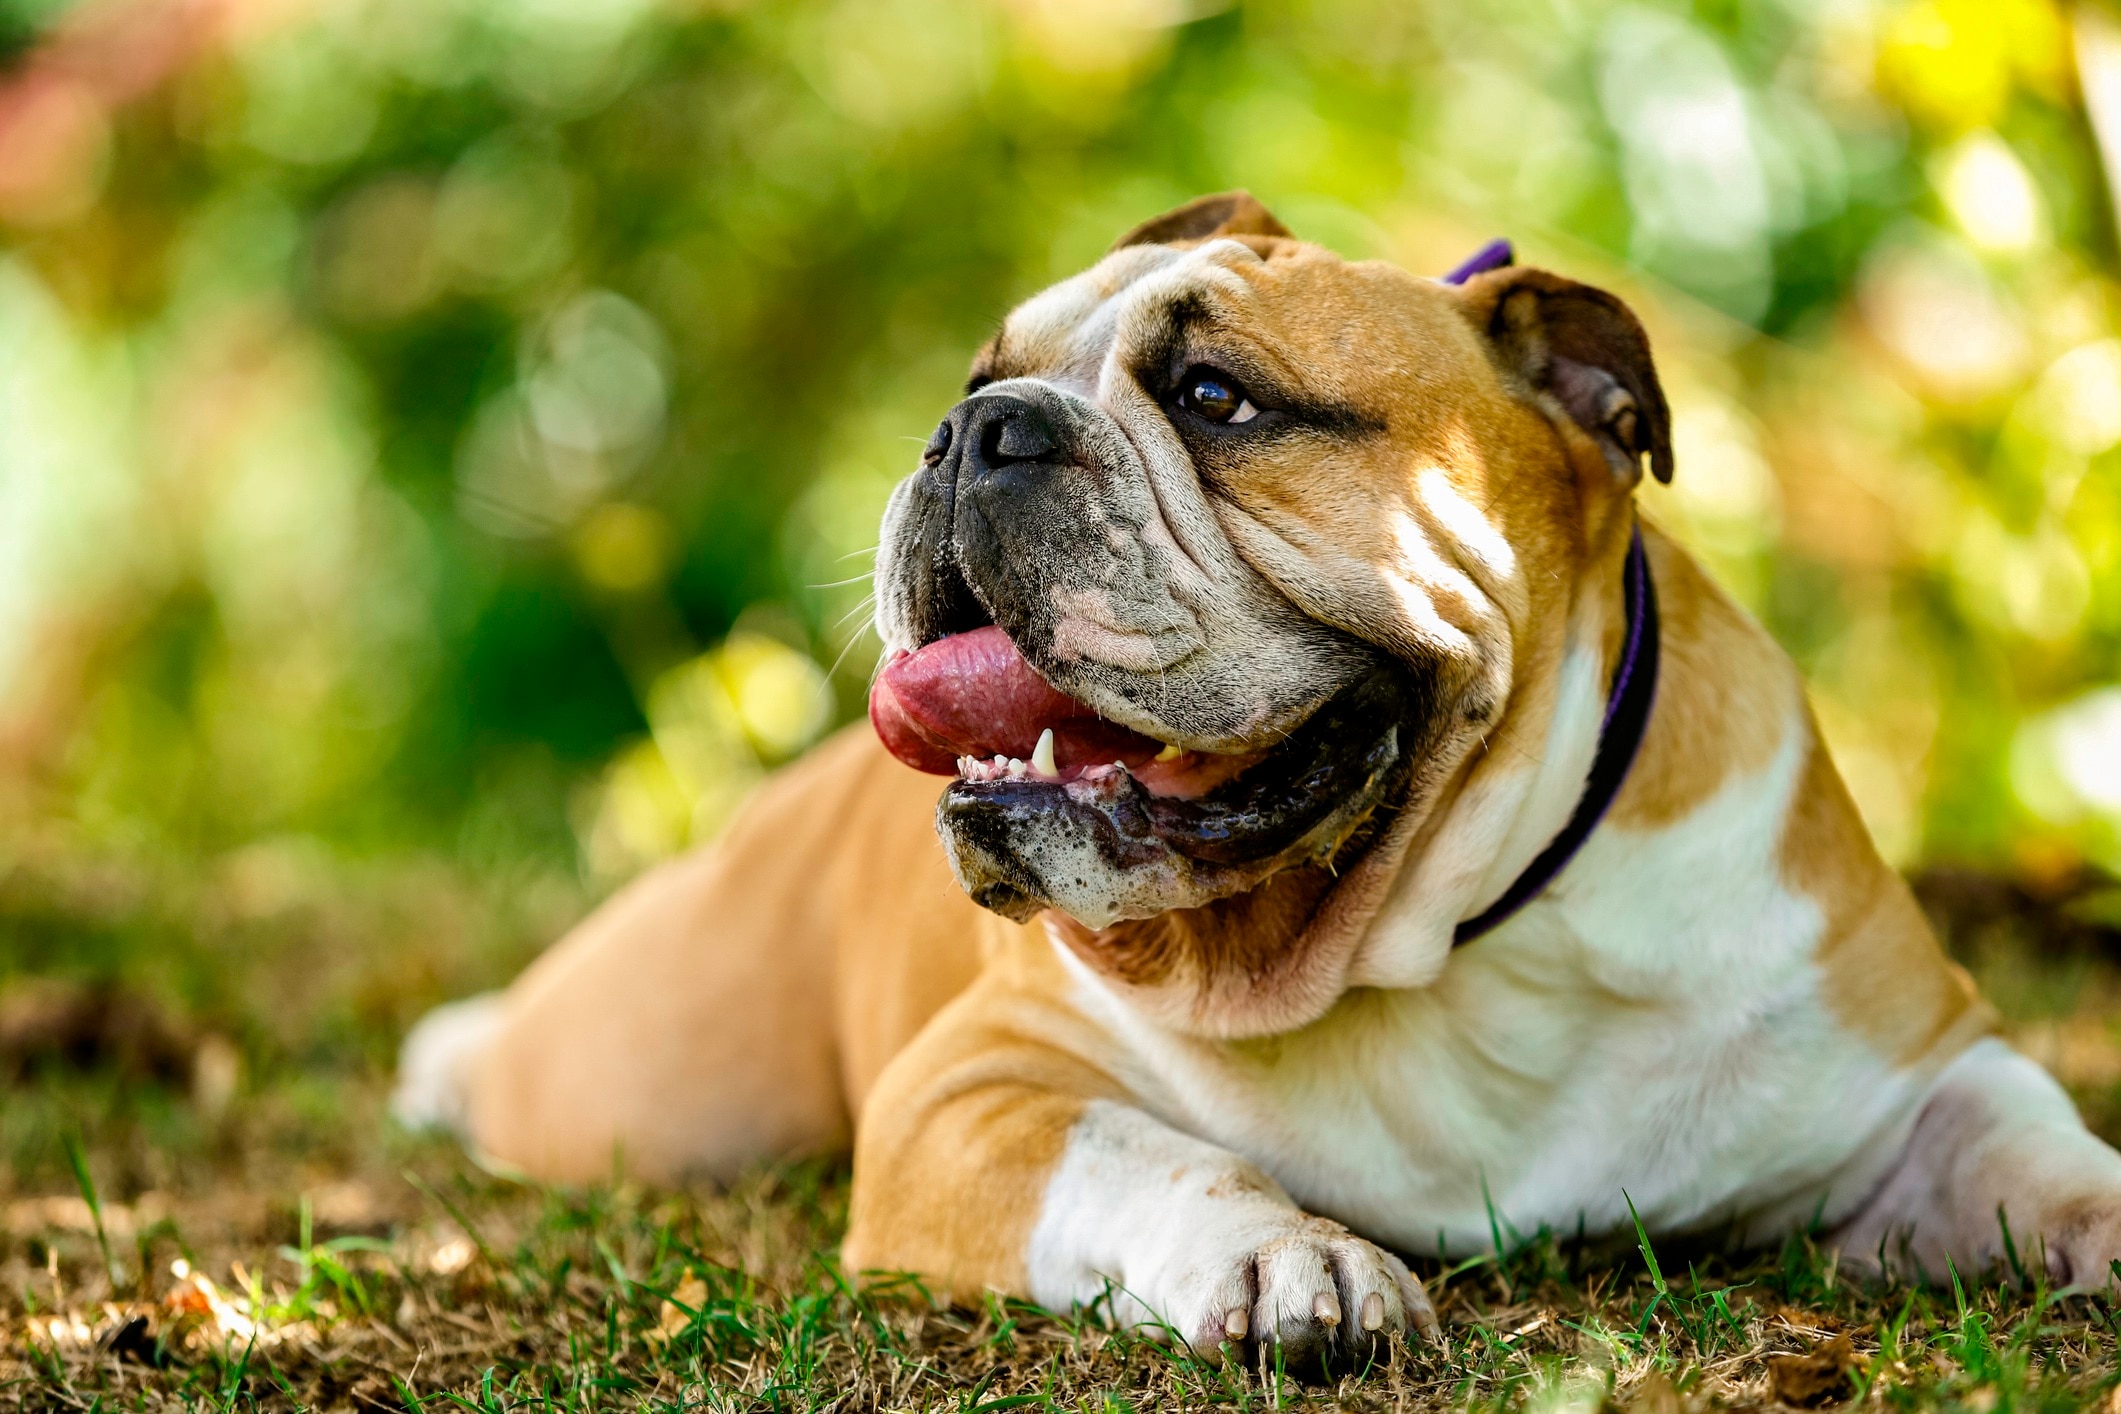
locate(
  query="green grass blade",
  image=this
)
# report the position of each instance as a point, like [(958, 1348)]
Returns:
[(77, 1160)]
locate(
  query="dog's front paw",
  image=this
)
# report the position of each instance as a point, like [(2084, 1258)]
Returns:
[(1313, 1290)]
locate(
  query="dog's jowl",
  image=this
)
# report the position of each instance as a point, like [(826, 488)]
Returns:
[(1304, 802)]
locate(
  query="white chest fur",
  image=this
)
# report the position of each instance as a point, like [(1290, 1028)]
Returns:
[(1651, 1029)]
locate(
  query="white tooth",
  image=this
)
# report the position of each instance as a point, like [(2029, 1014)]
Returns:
[(1170, 752), (1042, 755), (1017, 769)]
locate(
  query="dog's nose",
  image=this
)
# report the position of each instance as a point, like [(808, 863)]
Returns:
[(938, 444), (997, 431)]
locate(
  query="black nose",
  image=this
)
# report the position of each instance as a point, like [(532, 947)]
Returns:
[(994, 431)]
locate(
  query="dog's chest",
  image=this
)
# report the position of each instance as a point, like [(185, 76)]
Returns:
[(1548, 1081)]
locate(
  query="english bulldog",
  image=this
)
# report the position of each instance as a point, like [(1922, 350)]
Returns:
[(1359, 821)]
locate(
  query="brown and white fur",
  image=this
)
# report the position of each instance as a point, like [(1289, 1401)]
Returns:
[(1232, 1115)]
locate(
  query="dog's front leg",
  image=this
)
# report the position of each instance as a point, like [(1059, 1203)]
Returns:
[(1998, 1146), (987, 1159)]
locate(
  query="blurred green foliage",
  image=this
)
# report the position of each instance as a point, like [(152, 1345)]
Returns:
[(461, 425)]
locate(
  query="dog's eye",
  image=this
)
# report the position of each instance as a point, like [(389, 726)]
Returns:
[(1214, 396)]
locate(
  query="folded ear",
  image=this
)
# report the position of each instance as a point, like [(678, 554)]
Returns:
[(1587, 351), (1229, 213)]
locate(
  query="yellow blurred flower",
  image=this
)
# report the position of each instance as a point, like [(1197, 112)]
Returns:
[(716, 722), (780, 693), (1953, 63), (623, 548)]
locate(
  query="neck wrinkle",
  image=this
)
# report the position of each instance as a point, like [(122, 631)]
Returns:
[(1504, 811)]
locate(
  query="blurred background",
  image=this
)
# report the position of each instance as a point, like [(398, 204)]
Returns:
[(442, 441)]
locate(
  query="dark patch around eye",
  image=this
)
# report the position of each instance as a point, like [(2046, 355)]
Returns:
[(1281, 414), (1163, 360), (1187, 341), (1336, 420)]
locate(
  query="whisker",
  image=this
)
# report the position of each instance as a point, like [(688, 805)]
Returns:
[(868, 603), (843, 583), (841, 660)]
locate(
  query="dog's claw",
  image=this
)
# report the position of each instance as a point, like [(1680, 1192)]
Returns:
[(1373, 1311), (1237, 1323), (1326, 1307)]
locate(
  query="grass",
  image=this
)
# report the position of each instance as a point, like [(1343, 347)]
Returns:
[(271, 1242), (443, 1289)]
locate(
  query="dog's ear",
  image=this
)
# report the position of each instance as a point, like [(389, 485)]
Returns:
[(1587, 351), (1229, 213)]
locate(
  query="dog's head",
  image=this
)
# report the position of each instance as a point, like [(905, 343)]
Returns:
[(1226, 564)]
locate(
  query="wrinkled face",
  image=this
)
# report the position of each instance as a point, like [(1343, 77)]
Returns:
[(1230, 555)]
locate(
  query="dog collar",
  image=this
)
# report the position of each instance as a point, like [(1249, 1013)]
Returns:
[(1492, 256), (1627, 705), (1627, 717)]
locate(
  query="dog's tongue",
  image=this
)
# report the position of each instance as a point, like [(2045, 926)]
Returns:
[(972, 694)]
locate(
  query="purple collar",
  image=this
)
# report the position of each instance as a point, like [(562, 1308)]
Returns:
[(1492, 256), (1627, 717), (1627, 704)]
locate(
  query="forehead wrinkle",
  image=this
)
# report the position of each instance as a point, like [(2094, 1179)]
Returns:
[(1311, 350), (1164, 305), (1068, 333), (1061, 334), (1047, 334)]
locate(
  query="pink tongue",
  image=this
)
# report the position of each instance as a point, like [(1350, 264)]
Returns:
[(972, 694)]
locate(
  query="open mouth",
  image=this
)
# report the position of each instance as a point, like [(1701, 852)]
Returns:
[(1054, 805), (970, 705)]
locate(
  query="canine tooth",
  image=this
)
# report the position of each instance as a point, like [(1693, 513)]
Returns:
[(1042, 755), (1326, 1307), (1373, 1311), (1170, 752)]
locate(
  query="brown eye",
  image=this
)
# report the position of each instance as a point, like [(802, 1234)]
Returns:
[(1214, 396)]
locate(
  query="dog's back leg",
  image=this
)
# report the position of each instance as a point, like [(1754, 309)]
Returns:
[(693, 1024), (437, 1061), (1998, 1167)]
